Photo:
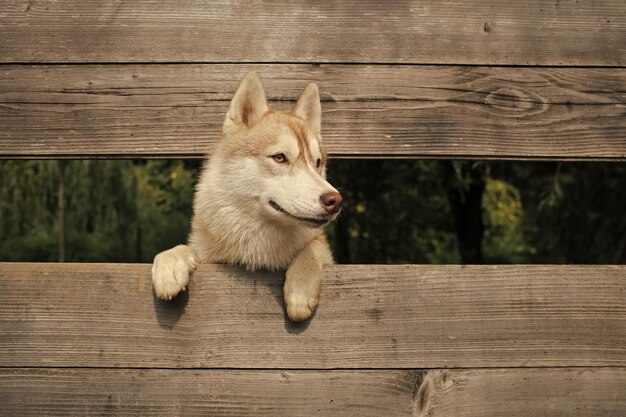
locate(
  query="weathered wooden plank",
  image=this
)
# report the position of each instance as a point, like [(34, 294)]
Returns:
[(461, 393), (133, 111), (62, 392), (370, 317), (450, 32), (522, 392)]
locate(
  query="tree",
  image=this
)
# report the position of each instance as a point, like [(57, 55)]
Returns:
[(395, 211)]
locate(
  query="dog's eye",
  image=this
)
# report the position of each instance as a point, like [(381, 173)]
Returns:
[(280, 158), (319, 163)]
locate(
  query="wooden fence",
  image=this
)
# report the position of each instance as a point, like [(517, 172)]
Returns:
[(531, 80)]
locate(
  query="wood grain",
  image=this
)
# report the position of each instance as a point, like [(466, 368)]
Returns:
[(131, 111), (369, 317), (461, 393), (408, 31), (42, 392), (522, 392)]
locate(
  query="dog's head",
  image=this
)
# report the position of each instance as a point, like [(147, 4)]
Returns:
[(278, 158)]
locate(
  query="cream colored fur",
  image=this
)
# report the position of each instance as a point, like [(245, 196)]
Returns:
[(235, 216)]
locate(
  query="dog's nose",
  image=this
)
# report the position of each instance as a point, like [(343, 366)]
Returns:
[(331, 202)]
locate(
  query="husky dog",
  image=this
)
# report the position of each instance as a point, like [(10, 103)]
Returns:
[(261, 200)]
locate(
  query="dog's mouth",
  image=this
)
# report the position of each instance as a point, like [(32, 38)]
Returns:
[(309, 221)]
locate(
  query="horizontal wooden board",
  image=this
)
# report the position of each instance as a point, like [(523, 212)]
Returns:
[(460, 393), (61, 392), (407, 31), (403, 316), (522, 392), (137, 111)]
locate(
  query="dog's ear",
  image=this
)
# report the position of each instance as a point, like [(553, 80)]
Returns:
[(309, 109), (248, 105)]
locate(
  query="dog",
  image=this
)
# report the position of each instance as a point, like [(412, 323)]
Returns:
[(262, 200)]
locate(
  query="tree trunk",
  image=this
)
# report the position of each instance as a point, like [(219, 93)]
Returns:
[(61, 210), (466, 185), (138, 243)]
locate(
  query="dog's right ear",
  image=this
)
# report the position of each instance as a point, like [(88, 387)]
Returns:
[(247, 106)]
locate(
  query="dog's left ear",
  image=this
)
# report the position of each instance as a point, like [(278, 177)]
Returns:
[(309, 109), (248, 105)]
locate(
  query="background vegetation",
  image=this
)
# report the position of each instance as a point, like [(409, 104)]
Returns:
[(396, 211)]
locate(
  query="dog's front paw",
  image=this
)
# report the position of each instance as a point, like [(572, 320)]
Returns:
[(300, 306), (170, 271)]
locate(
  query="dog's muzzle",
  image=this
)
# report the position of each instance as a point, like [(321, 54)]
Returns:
[(309, 221)]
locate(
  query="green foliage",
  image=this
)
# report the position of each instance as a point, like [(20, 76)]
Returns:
[(574, 212), (100, 210), (27, 207), (115, 211), (164, 198), (396, 211), (504, 214)]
